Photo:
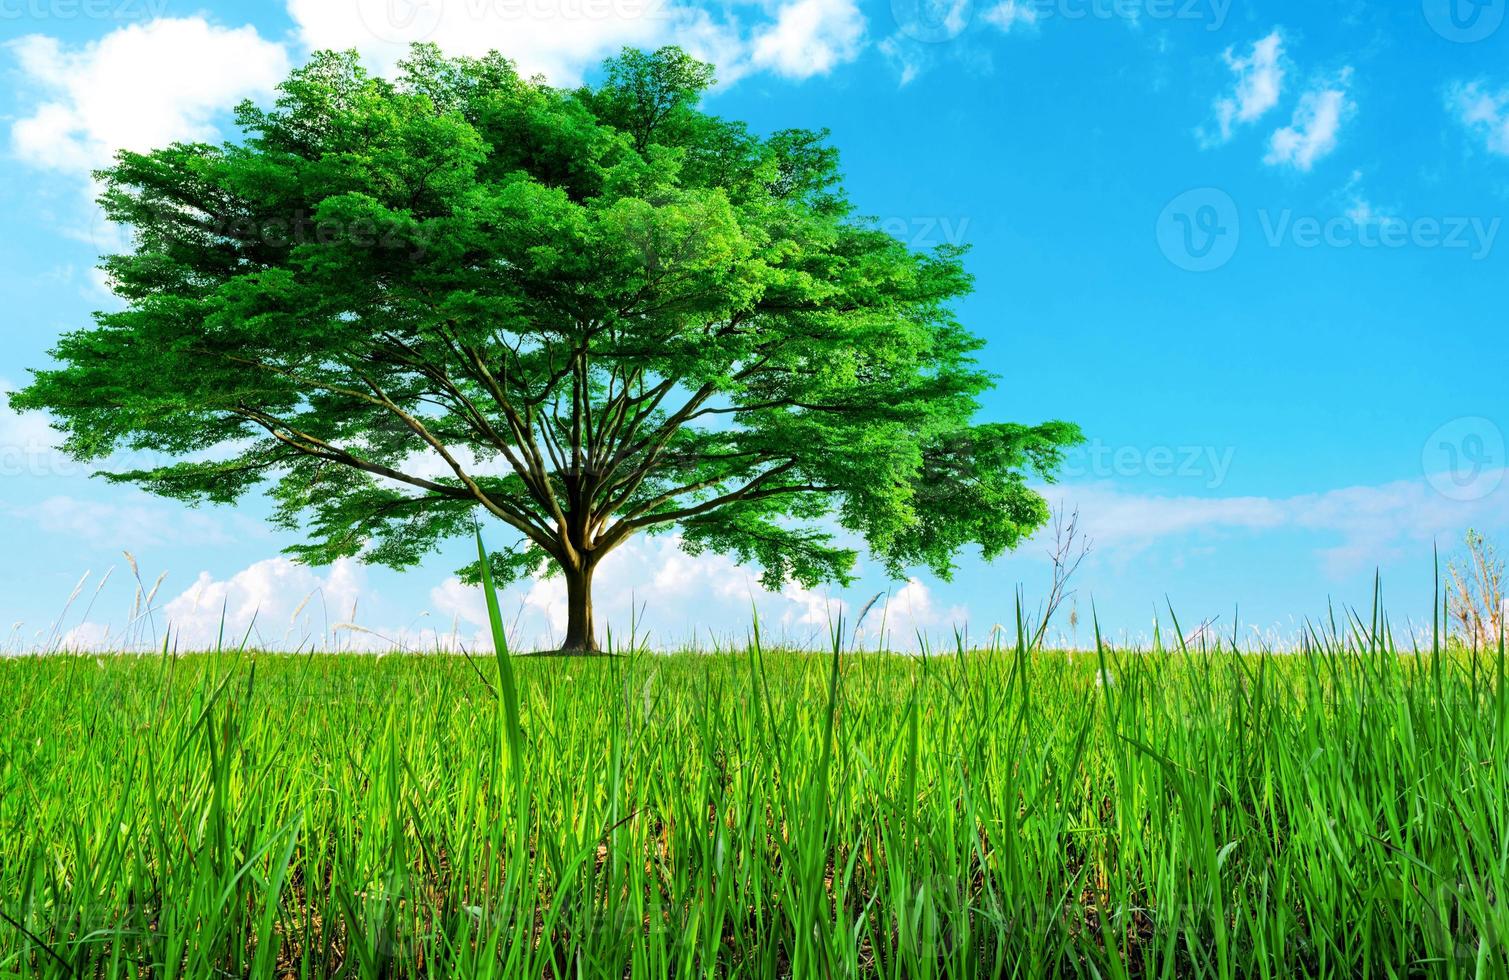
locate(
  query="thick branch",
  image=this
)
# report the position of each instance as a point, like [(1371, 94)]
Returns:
[(642, 517)]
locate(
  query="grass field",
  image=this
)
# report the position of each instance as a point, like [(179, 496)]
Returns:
[(1343, 811)]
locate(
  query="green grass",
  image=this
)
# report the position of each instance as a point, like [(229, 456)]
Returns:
[(1339, 812)]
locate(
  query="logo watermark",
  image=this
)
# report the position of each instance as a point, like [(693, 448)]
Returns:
[(69, 10), (926, 232), (940, 21), (1200, 230), (932, 21), (1212, 13), (406, 21), (301, 227), (1465, 21), (396, 21), (1465, 458), (1209, 465), (1473, 235)]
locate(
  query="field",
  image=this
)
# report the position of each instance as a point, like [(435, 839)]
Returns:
[(1343, 811)]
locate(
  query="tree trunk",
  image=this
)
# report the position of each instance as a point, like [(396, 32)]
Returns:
[(581, 636)]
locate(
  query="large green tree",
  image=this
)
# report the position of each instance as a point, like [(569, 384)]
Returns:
[(399, 304)]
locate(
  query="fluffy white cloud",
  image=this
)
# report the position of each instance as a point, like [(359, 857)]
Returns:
[(556, 38), (147, 84), (1311, 134), (273, 604), (676, 600), (909, 618), (1116, 519), (671, 600), (658, 591), (1483, 112), (1009, 14), (278, 604), (809, 37), (1259, 83), (561, 39), (138, 87)]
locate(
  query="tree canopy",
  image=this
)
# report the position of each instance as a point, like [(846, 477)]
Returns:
[(401, 304)]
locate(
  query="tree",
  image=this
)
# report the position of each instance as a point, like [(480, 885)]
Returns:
[(402, 304)]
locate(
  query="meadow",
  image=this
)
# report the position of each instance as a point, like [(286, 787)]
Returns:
[(1167, 812)]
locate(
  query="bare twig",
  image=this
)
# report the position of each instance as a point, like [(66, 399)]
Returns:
[(1070, 547)]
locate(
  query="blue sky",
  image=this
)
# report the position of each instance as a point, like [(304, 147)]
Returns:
[(1256, 250)]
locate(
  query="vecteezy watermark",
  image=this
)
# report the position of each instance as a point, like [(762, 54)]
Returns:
[(1474, 235), (1200, 229), (1465, 459), (406, 21), (65, 10), (932, 21), (300, 227), (1465, 21), (396, 21), (1212, 13), (1097, 460), (37, 456), (937, 21), (926, 232)]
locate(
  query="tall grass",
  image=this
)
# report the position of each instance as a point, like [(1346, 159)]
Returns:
[(1010, 812)]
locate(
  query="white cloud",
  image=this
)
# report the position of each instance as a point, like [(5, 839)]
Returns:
[(650, 586), (671, 600), (274, 604), (809, 37), (929, 31), (1362, 212), (676, 600), (1009, 14), (1119, 519), (910, 613), (556, 38), (280, 604), (1358, 207), (148, 84), (1259, 83), (1359, 527), (1311, 134), (908, 66), (132, 520), (28, 445), (89, 636), (562, 39), (138, 87), (1485, 113)]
